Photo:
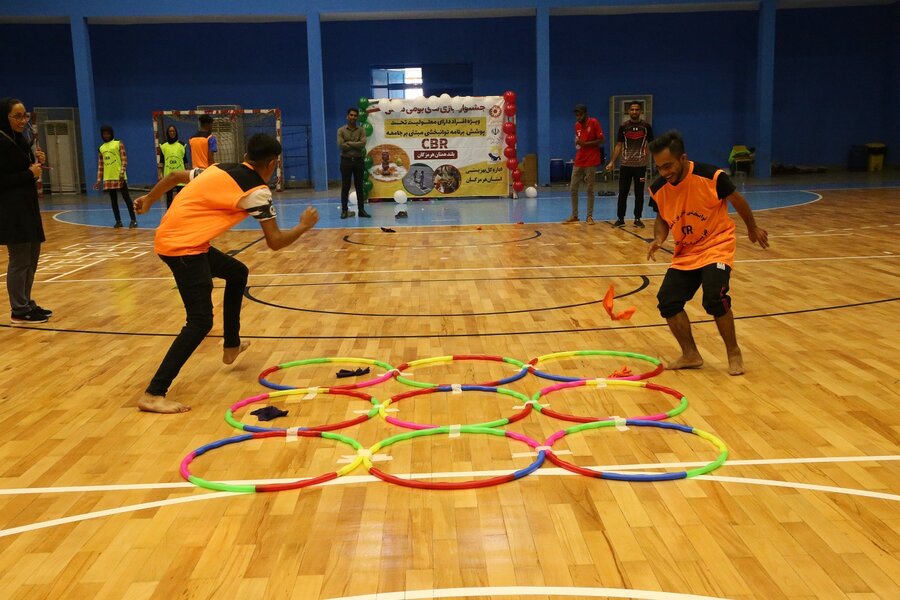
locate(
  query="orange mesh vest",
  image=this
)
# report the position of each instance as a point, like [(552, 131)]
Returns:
[(207, 207), (697, 217), (199, 152)]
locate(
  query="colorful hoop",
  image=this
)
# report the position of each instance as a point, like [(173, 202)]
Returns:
[(231, 420), (443, 485), (620, 383), (270, 487), (445, 359), (389, 372), (723, 451), (557, 355), (382, 408)]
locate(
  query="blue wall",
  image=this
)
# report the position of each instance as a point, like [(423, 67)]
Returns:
[(702, 84), (893, 96), (38, 68), (832, 75), (500, 50), (142, 68)]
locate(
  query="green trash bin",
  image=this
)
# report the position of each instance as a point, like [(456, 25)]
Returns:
[(875, 152)]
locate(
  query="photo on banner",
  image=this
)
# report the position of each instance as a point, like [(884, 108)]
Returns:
[(437, 147)]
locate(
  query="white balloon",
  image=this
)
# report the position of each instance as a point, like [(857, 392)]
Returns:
[(384, 105), (456, 103), (396, 105), (434, 102), (400, 197), (531, 192), (420, 102), (445, 98), (352, 197)]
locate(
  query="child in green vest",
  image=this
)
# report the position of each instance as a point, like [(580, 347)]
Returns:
[(111, 164), (171, 156)]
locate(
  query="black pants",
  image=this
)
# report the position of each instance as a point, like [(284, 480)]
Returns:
[(170, 195), (193, 276), (113, 200), (626, 175), (680, 286), (23, 263), (352, 167)]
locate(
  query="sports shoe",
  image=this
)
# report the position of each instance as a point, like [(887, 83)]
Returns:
[(589, 220), (638, 223), (619, 223), (28, 318), (42, 311), (571, 219), (344, 214), (132, 225), (364, 214), (118, 225)]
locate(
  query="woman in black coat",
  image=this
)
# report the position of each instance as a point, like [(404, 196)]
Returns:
[(21, 230)]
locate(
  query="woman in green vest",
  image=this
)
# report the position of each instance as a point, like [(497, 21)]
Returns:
[(111, 164), (171, 155)]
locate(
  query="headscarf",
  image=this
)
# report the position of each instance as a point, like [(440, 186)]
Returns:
[(6, 105), (169, 139)]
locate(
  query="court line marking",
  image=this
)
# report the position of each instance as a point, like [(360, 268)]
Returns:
[(660, 265), (513, 590), (370, 479)]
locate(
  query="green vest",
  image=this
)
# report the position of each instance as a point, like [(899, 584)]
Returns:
[(172, 156), (112, 161)]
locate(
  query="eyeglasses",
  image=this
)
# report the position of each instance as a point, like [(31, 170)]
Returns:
[(22, 117)]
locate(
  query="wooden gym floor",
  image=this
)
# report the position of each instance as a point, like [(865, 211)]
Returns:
[(92, 504)]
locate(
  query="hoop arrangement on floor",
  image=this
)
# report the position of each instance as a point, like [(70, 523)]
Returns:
[(313, 391), (502, 422), (520, 373), (269, 487), (605, 383), (622, 379), (453, 430), (389, 372), (552, 457), (568, 354)]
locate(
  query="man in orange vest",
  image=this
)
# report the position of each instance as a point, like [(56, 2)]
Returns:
[(692, 199), (204, 144), (212, 202)]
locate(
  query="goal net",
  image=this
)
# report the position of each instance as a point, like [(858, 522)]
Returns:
[(232, 127)]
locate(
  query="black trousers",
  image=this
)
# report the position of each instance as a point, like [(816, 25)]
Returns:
[(193, 276), (352, 167), (626, 176), (113, 200)]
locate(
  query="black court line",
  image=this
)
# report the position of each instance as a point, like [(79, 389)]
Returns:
[(347, 239), (449, 280), (453, 335), (645, 282), (239, 250)]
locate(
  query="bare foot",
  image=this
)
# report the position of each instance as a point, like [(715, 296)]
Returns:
[(159, 404), (229, 355), (694, 361), (735, 364)]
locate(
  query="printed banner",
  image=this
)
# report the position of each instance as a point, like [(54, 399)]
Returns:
[(436, 147)]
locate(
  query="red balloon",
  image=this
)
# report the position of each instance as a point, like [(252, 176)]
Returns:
[(516, 175), (509, 96), (509, 128), (509, 152), (510, 110), (511, 140), (512, 164), (518, 186)]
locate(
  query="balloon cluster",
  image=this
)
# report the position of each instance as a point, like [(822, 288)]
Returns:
[(509, 128), (364, 122)]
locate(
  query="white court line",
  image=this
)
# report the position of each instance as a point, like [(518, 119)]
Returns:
[(353, 479), (519, 591), (660, 265), (81, 268)]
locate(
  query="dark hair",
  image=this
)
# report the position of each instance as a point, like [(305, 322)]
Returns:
[(671, 140), (638, 102), (6, 106), (108, 128), (262, 148), (205, 120), (351, 109)]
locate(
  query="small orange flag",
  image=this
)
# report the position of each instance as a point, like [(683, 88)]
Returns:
[(608, 305)]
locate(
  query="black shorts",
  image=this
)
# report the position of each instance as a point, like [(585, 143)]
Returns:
[(680, 286)]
